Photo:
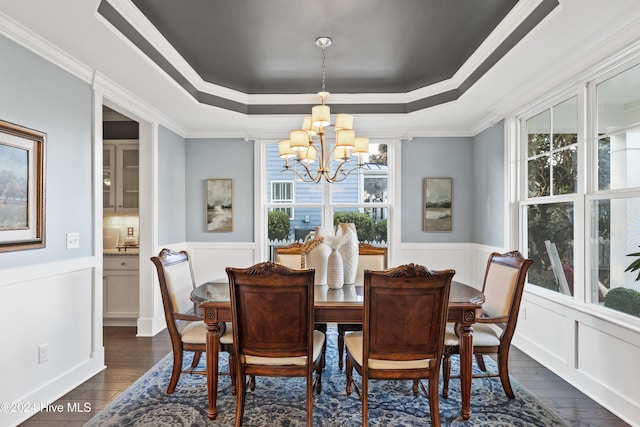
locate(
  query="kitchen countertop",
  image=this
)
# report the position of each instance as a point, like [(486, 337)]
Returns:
[(122, 252)]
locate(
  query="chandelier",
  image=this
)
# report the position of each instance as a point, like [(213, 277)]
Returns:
[(303, 150)]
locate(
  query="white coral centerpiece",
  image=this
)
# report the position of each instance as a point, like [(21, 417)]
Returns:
[(334, 242)]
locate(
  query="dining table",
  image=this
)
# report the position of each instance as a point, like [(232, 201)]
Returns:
[(343, 305)]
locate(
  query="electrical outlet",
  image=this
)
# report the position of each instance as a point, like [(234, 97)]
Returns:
[(73, 240), (43, 353)]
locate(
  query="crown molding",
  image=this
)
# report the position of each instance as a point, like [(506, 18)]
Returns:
[(26, 38)]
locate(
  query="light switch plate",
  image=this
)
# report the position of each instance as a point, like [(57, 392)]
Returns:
[(73, 240)]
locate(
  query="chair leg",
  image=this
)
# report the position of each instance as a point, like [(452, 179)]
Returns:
[(318, 381), (232, 374), (240, 397), (365, 400), (415, 388), (434, 402), (446, 374), (480, 363), (310, 399), (196, 359), (348, 374), (340, 347), (176, 371), (503, 369)]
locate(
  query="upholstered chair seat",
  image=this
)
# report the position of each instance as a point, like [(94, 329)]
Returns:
[(483, 336), (353, 341), (196, 333), (318, 344)]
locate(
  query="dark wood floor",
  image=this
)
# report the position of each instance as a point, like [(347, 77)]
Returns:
[(128, 357)]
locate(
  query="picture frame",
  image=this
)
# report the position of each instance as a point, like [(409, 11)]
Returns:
[(438, 205), (219, 205), (22, 188)]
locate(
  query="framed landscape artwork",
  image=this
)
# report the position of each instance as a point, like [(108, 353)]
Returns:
[(22, 177), (438, 197), (219, 205)]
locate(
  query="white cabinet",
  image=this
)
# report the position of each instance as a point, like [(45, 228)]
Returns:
[(120, 177), (120, 290)]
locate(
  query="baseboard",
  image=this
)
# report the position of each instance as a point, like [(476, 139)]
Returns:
[(42, 398)]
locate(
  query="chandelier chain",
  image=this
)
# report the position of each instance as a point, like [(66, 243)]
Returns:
[(323, 72)]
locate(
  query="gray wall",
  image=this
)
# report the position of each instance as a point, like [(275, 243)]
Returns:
[(220, 158), (36, 94), (488, 186), (437, 158), (171, 187)]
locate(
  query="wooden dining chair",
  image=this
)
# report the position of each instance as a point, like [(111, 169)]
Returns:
[(369, 258), (186, 329), (492, 333), (405, 314), (290, 255), (272, 313)]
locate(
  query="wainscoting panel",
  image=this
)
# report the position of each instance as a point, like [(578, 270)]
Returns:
[(54, 310), (594, 354), (211, 259), (604, 367)]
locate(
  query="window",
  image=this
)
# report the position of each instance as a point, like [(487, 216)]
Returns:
[(551, 162), (604, 212), (614, 204), (362, 198), (282, 192)]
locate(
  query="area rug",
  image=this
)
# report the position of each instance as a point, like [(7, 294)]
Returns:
[(281, 402)]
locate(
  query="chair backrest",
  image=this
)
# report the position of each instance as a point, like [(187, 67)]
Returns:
[(370, 258), (504, 284), (405, 313), (272, 310), (175, 276), (290, 255)]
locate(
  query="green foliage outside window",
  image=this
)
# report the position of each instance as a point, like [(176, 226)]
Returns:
[(365, 227), (624, 299), (278, 228)]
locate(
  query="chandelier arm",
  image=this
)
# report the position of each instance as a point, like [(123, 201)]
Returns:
[(307, 176)]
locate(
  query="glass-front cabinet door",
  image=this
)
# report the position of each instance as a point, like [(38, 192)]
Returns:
[(120, 182), (108, 177)]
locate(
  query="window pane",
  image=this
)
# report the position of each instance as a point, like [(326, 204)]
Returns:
[(550, 245), (371, 222), (538, 129), (565, 123), (615, 248), (539, 175), (304, 192), (368, 185), (618, 157), (604, 163), (565, 169), (618, 100)]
